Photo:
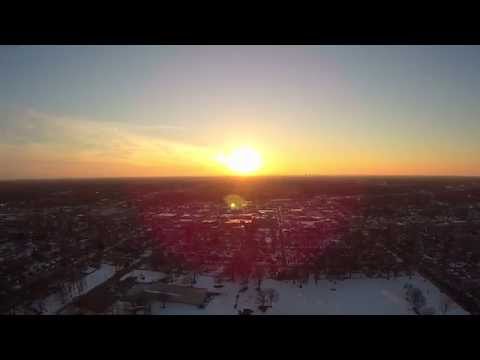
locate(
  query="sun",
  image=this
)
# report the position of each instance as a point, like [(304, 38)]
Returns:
[(244, 161)]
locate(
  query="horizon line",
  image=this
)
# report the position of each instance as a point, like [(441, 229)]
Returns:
[(239, 177)]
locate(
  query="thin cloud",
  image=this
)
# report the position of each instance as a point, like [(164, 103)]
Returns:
[(31, 137)]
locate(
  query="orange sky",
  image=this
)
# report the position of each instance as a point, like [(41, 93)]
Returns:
[(112, 111)]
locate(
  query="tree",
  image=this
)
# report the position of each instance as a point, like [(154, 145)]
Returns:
[(266, 298), (416, 298), (163, 298), (259, 274), (196, 266), (262, 298), (445, 303), (273, 295), (231, 268)]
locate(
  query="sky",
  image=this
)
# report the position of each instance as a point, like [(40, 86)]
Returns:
[(108, 111)]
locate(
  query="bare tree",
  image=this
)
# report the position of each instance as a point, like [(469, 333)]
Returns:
[(445, 303), (416, 298), (266, 298), (259, 274), (163, 298)]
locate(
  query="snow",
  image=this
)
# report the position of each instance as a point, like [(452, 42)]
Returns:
[(145, 276), (360, 296), (89, 270), (55, 302), (147, 253)]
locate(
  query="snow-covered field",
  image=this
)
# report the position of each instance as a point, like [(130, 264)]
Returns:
[(358, 296), (53, 303)]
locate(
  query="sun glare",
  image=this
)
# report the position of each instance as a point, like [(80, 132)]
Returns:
[(243, 161)]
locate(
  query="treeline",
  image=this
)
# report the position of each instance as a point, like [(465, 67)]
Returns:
[(184, 190)]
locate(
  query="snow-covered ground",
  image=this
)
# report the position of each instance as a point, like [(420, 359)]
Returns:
[(53, 303), (145, 276), (89, 270), (357, 296)]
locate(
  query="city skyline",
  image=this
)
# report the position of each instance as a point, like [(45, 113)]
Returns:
[(109, 111)]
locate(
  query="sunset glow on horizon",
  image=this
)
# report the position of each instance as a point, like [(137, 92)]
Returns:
[(94, 111), (242, 161)]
